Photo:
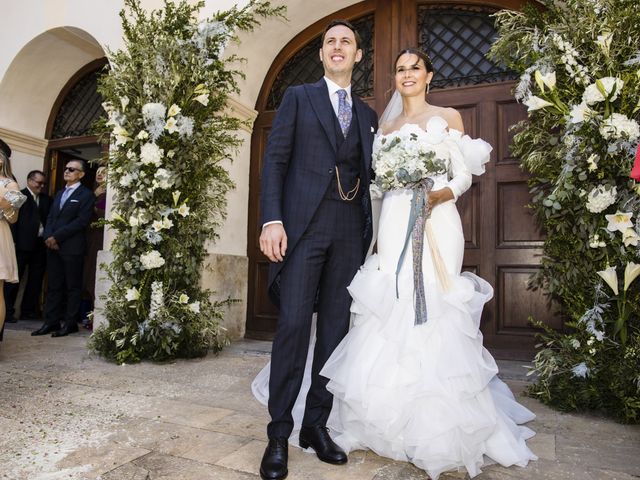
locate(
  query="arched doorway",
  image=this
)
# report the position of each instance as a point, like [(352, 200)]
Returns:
[(503, 243), (70, 131)]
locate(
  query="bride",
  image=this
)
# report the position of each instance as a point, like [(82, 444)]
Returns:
[(411, 380)]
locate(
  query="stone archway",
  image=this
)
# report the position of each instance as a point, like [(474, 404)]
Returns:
[(32, 83)]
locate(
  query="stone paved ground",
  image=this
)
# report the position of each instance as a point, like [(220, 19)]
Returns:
[(65, 414)]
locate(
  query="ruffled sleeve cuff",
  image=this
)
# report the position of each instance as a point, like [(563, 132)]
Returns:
[(475, 151)]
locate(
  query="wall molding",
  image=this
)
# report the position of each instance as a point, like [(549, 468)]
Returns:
[(22, 142), (242, 112)]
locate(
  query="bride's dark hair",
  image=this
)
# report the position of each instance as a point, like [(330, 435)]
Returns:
[(418, 53)]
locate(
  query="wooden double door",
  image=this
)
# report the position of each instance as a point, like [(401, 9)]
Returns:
[(503, 242)]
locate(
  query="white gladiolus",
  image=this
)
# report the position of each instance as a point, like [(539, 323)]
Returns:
[(611, 278)]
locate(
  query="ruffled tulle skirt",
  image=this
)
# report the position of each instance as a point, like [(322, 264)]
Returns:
[(427, 394)]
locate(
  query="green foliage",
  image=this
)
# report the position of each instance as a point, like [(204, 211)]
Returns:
[(579, 62), (171, 137)]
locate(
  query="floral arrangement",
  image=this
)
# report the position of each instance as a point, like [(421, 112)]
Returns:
[(579, 65), (165, 98), (402, 160)]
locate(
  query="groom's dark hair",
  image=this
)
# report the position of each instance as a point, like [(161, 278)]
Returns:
[(345, 23)]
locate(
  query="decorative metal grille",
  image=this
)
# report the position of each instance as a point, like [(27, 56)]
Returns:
[(305, 66), (457, 39), (81, 107)]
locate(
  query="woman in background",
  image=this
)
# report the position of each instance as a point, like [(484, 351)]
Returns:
[(11, 199)]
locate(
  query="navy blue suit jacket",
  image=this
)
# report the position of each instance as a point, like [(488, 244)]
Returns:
[(69, 224), (299, 162)]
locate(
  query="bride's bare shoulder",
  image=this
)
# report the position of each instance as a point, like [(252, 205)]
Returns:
[(451, 116)]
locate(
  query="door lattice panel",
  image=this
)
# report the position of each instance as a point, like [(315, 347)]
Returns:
[(81, 107), (457, 40), (305, 66)]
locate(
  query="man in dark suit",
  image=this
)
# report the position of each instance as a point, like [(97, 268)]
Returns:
[(316, 226), (65, 238), (31, 252)]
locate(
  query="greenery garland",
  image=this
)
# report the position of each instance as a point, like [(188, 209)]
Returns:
[(579, 62), (165, 96)]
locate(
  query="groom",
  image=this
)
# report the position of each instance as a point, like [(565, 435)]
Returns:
[(316, 226)]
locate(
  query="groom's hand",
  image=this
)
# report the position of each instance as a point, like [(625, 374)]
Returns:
[(273, 242)]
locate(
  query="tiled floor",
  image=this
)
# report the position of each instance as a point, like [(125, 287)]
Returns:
[(68, 415)]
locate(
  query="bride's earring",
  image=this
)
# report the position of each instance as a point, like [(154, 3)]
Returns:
[(428, 85)]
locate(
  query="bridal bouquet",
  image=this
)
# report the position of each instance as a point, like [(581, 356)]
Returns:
[(403, 160)]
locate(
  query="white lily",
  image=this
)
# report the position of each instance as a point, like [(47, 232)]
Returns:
[(546, 79), (184, 298), (619, 221), (176, 196), (132, 294), (631, 272), (630, 237), (604, 42), (173, 110), (609, 275), (536, 103)]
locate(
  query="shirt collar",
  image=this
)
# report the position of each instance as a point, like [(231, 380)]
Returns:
[(32, 194), (334, 87), (74, 186)]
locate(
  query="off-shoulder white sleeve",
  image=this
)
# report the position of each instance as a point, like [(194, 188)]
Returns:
[(468, 157)]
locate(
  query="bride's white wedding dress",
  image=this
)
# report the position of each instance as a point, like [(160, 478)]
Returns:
[(427, 394)]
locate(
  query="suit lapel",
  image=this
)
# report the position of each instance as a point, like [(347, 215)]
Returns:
[(318, 94), (365, 134)]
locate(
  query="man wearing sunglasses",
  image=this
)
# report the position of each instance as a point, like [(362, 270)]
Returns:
[(65, 239), (31, 252)]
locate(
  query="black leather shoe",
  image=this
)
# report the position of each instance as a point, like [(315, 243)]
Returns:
[(63, 332), (274, 460), (318, 438), (43, 330)]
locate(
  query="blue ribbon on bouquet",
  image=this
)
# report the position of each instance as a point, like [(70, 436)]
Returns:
[(415, 232)]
